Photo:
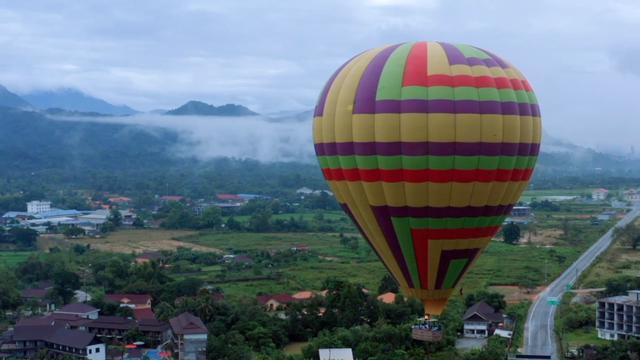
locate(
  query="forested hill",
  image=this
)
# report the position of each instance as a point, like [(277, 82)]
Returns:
[(36, 151)]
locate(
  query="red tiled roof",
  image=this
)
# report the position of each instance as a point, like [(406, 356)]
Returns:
[(228, 197), (144, 314), (187, 323), (76, 308), (34, 293), (171, 198), (120, 199), (303, 295), (281, 298), (134, 299), (387, 298)]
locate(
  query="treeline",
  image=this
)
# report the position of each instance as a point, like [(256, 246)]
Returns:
[(258, 216)]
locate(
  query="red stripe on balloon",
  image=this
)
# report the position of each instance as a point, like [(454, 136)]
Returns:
[(415, 70), (428, 175)]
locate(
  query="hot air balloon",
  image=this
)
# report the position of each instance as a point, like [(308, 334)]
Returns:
[(427, 146)]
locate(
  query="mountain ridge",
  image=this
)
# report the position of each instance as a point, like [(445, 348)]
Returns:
[(11, 100), (194, 107), (75, 100)]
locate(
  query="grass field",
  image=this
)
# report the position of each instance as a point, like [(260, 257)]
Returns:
[(617, 261), (528, 195), (128, 241), (11, 258)]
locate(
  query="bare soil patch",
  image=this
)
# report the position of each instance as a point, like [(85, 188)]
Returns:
[(137, 241), (514, 294)]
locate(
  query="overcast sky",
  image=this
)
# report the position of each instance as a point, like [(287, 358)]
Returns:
[(582, 57)]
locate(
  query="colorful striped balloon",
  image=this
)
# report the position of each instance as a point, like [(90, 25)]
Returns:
[(427, 147)]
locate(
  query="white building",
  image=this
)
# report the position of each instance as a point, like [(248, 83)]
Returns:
[(36, 206), (599, 194), (618, 317), (632, 195), (336, 354)]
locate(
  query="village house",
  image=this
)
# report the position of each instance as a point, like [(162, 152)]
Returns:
[(275, 302), (631, 195), (521, 211), (147, 257), (37, 297), (481, 320), (387, 298), (303, 295), (120, 201), (78, 309), (190, 336), (599, 194), (171, 198), (134, 301)]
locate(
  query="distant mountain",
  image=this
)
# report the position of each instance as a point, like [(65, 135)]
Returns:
[(9, 99), (72, 113), (203, 109), (291, 116), (74, 100)]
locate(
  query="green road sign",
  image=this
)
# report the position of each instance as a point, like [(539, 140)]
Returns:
[(553, 300)]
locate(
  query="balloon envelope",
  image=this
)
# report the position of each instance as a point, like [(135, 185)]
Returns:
[(427, 147)]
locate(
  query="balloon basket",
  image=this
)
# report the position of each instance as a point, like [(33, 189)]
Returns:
[(428, 331)]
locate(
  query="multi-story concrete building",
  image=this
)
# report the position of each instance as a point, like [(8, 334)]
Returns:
[(190, 336), (36, 207), (618, 317)]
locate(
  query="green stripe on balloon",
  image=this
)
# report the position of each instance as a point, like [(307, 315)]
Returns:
[(426, 162), (460, 93), (457, 223), (402, 228), (393, 72), (470, 51), (453, 272)]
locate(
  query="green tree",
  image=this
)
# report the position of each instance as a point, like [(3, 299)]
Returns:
[(628, 235), (9, 294), (138, 222), (73, 231), (115, 217), (260, 221), (388, 284), (233, 224), (511, 233), (493, 299), (24, 238), (211, 218), (65, 282)]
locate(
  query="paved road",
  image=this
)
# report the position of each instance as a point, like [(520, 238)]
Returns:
[(539, 337)]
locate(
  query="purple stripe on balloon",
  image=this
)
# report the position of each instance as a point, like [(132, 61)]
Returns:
[(455, 56), (383, 218), (365, 99), (485, 107), (445, 212), (447, 256), (427, 148), (503, 64), (349, 213)]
